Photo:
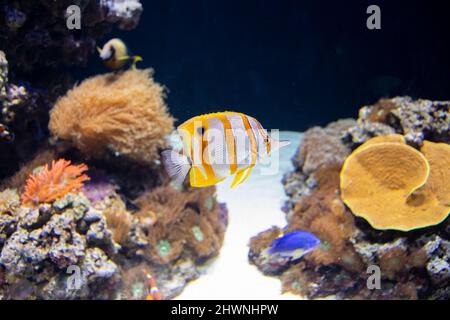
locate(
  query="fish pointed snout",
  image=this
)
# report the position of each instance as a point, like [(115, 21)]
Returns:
[(278, 144)]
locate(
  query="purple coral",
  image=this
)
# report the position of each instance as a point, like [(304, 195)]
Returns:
[(98, 188)]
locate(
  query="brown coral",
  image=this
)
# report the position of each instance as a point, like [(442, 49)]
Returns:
[(180, 221), (379, 112), (53, 183), (118, 219), (324, 214), (120, 112), (394, 186), (134, 282), (322, 146), (393, 262)]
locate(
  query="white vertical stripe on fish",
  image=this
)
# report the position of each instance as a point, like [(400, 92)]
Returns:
[(197, 153), (230, 143), (242, 141), (262, 150), (187, 143), (265, 135), (252, 138), (217, 148)]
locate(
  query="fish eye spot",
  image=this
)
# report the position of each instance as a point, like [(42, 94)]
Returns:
[(201, 131)]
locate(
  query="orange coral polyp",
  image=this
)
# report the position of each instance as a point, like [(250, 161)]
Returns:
[(394, 186), (53, 183)]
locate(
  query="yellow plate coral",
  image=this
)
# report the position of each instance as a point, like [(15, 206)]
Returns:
[(394, 186)]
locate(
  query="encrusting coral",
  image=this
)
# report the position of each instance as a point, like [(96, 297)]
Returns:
[(393, 185), (123, 113), (54, 182)]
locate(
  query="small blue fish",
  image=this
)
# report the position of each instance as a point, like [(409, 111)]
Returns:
[(292, 246)]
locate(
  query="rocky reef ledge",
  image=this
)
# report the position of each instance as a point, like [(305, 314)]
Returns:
[(86, 209), (412, 264)]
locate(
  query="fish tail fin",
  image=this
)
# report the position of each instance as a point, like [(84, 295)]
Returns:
[(177, 165), (99, 50), (135, 60)]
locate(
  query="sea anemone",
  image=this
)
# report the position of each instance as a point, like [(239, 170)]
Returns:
[(52, 183), (118, 113)]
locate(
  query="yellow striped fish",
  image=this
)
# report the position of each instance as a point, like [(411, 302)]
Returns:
[(219, 145), (115, 54)]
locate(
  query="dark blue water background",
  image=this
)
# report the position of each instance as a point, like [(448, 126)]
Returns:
[(291, 63)]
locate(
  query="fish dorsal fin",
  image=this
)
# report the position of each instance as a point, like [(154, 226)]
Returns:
[(210, 114), (241, 176), (177, 165)]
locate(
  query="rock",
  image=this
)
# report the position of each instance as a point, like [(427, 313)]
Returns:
[(412, 265), (320, 147), (49, 239), (417, 120)]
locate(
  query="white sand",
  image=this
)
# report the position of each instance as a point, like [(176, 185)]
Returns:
[(253, 207)]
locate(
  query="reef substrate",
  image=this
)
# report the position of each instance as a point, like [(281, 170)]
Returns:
[(86, 209), (410, 265)]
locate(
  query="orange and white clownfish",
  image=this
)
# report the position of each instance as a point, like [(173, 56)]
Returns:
[(115, 54), (219, 145), (154, 293)]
